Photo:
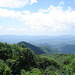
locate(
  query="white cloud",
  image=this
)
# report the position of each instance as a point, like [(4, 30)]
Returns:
[(33, 1), (26, 12), (52, 19), (10, 13), (62, 3), (17, 30), (16, 3), (0, 27), (14, 31)]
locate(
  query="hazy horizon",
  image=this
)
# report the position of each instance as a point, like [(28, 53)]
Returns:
[(36, 35)]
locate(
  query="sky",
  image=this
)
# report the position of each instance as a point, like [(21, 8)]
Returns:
[(37, 17)]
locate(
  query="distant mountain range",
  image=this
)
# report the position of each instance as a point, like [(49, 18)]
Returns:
[(48, 50), (67, 49), (37, 40), (39, 50), (44, 44)]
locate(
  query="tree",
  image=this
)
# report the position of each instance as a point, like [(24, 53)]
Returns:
[(22, 45), (26, 58), (5, 53), (4, 69)]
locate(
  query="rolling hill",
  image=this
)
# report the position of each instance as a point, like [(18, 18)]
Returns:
[(67, 49), (32, 47), (39, 50), (48, 50)]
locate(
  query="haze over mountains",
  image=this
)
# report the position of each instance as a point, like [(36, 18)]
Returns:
[(59, 44), (53, 40)]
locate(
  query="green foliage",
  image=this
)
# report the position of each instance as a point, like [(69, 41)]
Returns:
[(13, 65), (15, 60), (4, 69), (26, 58), (34, 71), (23, 72), (5, 51), (43, 62), (22, 45)]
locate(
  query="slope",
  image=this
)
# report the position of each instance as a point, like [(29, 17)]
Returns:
[(32, 47), (67, 49), (48, 50)]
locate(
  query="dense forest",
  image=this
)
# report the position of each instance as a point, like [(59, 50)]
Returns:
[(21, 60)]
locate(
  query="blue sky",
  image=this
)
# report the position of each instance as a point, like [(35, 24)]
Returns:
[(37, 17)]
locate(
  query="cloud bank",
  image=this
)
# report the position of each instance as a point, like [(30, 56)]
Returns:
[(53, 19), (16, 3)]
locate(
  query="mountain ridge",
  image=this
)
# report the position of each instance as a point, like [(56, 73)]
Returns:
[(48, 50), (67, 49), (37, 50)]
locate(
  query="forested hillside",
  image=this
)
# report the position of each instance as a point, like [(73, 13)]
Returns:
[(67, 49), (37, 50), (48, 50), (16, 60)]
